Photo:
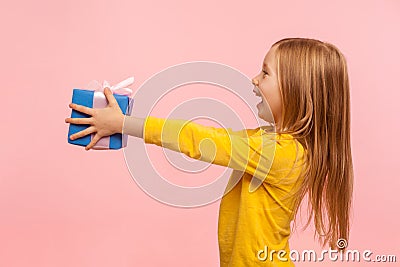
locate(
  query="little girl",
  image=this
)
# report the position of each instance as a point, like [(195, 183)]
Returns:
[(305, 83)]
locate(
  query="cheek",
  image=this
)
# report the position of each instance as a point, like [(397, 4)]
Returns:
[(274, 100)]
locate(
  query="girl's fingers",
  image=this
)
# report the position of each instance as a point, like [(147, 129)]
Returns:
[(80, 134), (93, 142), (79, 120), (110, 97), (83, 109)]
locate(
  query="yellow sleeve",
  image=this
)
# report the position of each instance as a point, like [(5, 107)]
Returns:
[(243, 150)]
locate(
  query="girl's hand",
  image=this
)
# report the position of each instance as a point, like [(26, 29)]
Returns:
[(104, 122)]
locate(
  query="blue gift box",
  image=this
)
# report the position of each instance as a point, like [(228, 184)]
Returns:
[(85, 98)]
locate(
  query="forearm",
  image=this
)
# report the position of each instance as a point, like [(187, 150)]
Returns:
[(133, 126)]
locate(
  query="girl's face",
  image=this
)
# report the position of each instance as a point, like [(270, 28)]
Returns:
[(266, 87)]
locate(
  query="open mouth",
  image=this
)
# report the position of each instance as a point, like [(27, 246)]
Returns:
[(259, 104), (256, 91)]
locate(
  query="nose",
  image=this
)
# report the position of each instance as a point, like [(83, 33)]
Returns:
[(254, 81)]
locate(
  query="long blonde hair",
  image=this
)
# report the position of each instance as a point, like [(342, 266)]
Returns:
[(314, 85)]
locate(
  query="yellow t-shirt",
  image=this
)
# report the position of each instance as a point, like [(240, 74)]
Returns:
[(255, 211)]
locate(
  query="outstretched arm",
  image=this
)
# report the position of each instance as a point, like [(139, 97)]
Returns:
[(246, 150), (134, 126)]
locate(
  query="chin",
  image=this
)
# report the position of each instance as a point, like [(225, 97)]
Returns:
[(263, 118), (267, 119)]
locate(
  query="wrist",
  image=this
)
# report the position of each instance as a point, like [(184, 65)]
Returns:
[(120, 123), (133, 126)]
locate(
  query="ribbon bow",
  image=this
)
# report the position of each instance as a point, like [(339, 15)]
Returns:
[(120, 88), (100, 101)]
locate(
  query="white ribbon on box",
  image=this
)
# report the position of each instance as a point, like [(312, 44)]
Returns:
[(100, 101)]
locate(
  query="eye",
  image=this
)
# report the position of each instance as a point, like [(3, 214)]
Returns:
[(265, 73)]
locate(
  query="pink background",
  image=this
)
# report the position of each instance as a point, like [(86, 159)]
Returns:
[(63, 206)]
